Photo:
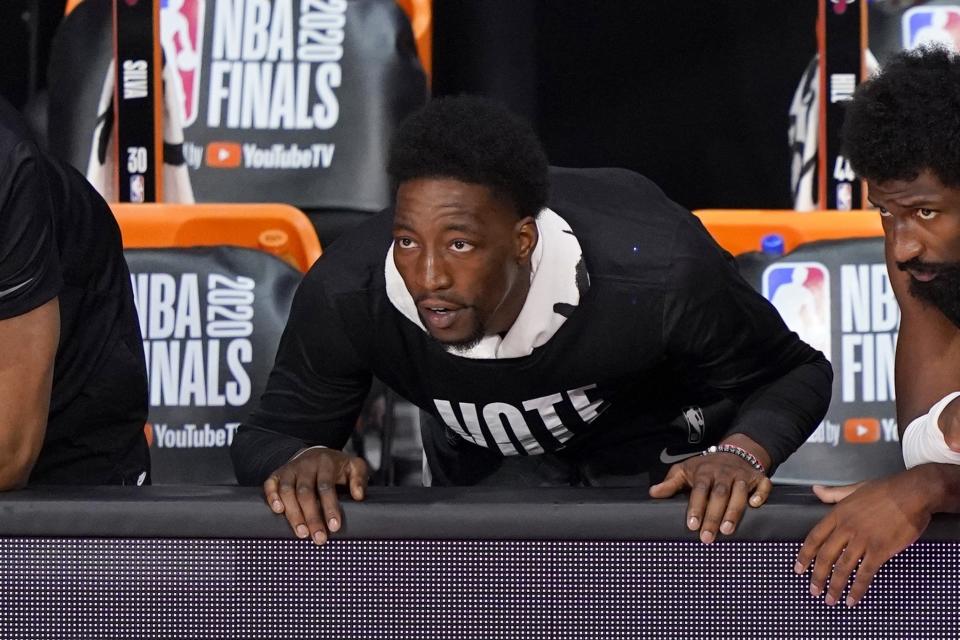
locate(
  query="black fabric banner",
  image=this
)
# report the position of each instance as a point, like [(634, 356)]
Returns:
[(293, 100), (841, 52), (837, 296), (135, 101), (211, 319)]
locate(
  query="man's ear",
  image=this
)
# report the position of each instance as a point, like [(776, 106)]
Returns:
[(527, 235)]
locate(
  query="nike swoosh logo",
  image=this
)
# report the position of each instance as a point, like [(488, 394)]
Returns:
[(14, 288), (666, 458)]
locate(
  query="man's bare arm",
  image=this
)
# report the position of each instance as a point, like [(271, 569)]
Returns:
[(928, 350), (28, 344)]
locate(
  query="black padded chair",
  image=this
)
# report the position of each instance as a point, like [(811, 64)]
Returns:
[(211, 319), (837, 296)]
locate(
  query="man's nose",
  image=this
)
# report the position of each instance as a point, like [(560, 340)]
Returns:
[(434, 275), (906, 242)]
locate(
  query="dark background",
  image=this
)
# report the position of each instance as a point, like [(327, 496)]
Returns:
[(692, 93)]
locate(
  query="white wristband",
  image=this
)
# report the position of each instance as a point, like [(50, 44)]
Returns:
[(923, 440), (303, 451)]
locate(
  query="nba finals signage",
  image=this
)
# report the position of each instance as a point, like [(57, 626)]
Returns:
[(292, 97), (210, 319), (837, 296)]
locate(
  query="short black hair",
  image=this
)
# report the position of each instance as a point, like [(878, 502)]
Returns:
[(474, 140), (907, 119)]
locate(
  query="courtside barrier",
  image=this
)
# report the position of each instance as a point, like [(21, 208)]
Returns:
[(214, 562)]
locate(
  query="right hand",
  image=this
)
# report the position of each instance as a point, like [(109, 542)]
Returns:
[(304, 490)]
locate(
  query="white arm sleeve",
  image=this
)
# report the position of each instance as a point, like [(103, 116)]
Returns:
[(923, 440)]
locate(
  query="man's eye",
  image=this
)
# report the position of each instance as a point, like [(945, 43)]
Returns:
[(927, 214), (460, 245), (884, 212), (405, 243)]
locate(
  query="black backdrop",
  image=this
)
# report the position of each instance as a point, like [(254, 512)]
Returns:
[(692, 93)]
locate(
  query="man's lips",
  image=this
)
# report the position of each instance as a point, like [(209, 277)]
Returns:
[(439, 314), (922, 276)]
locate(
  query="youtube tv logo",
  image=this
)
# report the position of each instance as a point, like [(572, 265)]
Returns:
[(861, 430), (223, 155)]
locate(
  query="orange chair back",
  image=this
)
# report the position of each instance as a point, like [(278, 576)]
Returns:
[(739, 231), (254, 226)]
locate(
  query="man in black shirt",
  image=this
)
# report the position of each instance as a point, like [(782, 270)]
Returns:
[(72, 378), (552, 345)]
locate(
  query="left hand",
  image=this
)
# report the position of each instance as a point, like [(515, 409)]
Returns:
[(877, 520), (720, 484)]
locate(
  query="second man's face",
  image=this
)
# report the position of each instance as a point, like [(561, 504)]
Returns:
[(464, 256), (921, 222)]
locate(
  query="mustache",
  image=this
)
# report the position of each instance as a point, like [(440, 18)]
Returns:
[(937, 268), (448, 299)]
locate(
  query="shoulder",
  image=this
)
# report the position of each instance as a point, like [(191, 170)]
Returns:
[(355, 261), (627, 225)]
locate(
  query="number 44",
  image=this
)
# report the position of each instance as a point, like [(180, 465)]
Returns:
[(842, 170)]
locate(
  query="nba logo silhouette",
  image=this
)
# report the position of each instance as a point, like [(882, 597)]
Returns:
[(931, 25), (137, 188), (181, 34), (800, 291)]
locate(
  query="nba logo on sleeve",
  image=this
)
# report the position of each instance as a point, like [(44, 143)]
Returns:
[(800, 291), (931, 26), (181, 34)]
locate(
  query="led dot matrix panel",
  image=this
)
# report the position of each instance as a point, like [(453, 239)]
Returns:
[(93, 588)]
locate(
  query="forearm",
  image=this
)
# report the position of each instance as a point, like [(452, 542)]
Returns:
[(782, 415), (940, 483), (16, 463), (257, 453)]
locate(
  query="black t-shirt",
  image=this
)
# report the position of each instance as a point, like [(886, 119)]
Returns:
[(667, 322), (59, 239)]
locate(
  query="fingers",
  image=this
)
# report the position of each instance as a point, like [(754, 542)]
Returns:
[(357, 476), (313, 522), (827, 556), (811, 545), (761, 492), (735, 508), (271, 493), (291, 505), (698, 503), (330, 506), (304, 491), (865, 574), (833, 495), (674, 483), (716, 507), (842, 570)]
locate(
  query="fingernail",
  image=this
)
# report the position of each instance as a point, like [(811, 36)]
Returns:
[(693, 523), (706, 537), (319, 538), (727, 527), (302, 531), (851, 601), (830, 600), (277, 506), (333, 524), (815, 591), (755, 501), (798, 568)]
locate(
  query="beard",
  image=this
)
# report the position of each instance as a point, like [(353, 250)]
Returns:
[(477, 333), (468, 343), (943, 292)]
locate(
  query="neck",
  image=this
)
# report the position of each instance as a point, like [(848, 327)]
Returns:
[(513, 303)]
